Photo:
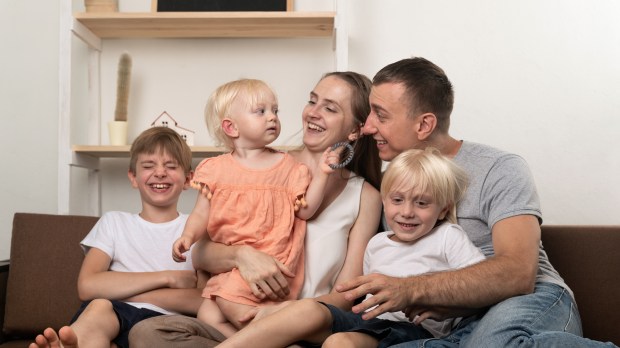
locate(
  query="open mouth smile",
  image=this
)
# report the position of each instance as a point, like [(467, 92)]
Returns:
[(314, 127)]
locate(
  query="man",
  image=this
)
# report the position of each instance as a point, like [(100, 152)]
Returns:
[(516, 295)]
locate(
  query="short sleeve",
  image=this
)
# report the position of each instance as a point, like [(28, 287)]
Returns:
[(101, 236), (459, 250), (203, 175), (509, 190)]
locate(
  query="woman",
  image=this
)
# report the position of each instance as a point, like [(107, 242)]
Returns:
[(335, 238)]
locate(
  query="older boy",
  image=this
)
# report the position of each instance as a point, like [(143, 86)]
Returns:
[(127, 274)]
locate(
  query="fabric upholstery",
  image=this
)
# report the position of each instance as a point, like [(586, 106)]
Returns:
[(46, 258), (588, 259), (45, 262)]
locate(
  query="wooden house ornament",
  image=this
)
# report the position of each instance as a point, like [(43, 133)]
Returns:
[(165, 120)]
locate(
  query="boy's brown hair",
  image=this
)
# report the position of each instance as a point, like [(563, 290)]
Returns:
[(161, 139)]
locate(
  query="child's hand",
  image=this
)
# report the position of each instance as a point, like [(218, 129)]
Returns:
[(330, 157), (179, 247)]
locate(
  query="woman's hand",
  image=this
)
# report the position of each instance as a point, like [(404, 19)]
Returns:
[(263, 273)]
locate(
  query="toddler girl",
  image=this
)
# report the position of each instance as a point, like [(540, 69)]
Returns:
[(254, 195)]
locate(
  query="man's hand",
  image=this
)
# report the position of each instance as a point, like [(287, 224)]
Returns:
[(264, 274), (390, 294)]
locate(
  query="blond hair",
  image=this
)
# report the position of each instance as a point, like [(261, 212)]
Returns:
[(430, 172), (220, 102)]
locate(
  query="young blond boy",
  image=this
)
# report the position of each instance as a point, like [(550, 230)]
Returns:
[(127, 274)]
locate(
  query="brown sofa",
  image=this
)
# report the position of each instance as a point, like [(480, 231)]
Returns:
[(38, 288)]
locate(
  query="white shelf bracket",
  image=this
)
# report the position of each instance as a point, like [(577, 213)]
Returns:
[(89, 38)]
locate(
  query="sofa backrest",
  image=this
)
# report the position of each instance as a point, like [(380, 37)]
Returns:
[(45, 262), (588, 259)]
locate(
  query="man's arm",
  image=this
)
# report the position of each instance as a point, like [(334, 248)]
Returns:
[(97, 281), (510, 272)]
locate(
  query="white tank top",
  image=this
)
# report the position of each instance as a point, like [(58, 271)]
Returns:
[(326, 240)]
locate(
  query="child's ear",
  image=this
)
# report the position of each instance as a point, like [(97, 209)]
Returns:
[(229, 128), (132, 178), (444, 212)]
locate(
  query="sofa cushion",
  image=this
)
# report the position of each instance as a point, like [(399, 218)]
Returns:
[(42, 282), (587, 258)]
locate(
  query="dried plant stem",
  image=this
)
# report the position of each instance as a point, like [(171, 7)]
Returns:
[(122, 87)]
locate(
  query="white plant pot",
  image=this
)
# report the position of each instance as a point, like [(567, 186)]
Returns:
[(118, 132)]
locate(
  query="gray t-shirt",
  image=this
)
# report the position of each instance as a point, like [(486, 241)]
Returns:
[(500, 186)]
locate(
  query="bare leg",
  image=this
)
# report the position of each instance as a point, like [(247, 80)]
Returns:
[(350, 340), (301, 320), (211, 314), (96, 327)]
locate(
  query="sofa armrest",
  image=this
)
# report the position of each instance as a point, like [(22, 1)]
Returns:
[(45, 261), (587, 258), (4, 277)]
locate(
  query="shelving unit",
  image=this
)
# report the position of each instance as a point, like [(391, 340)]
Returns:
[(92, 28), (110, 151), (208, 24)]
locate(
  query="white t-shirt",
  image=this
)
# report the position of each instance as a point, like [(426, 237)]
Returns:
[(136, 245), (446, 247)]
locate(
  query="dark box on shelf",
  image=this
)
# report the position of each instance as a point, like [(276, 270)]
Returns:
[(220, 5)]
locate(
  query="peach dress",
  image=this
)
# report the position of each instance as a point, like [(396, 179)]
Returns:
[(256, 208)]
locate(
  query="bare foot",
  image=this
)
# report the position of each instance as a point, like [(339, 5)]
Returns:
[(50, 339)]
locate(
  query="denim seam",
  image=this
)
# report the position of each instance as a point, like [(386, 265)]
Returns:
[(555, 303)]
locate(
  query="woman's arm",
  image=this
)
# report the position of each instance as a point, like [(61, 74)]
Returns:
[(364, 228), (263, 273)]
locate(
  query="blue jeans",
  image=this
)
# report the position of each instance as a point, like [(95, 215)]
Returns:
[(546, 318)]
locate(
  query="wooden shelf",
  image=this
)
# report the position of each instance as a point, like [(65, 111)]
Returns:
[(110, 151), (208, 24)]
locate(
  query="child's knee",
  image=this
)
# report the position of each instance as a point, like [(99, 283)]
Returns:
[(314, 312), (99, 305), (339, 340), (350, 340)]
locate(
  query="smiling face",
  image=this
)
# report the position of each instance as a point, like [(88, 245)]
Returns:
[(328, 118), (390, 123), (411, 214), (160, 180)]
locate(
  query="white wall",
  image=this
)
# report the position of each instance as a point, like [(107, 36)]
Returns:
[(29, 111), (539, 78)]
